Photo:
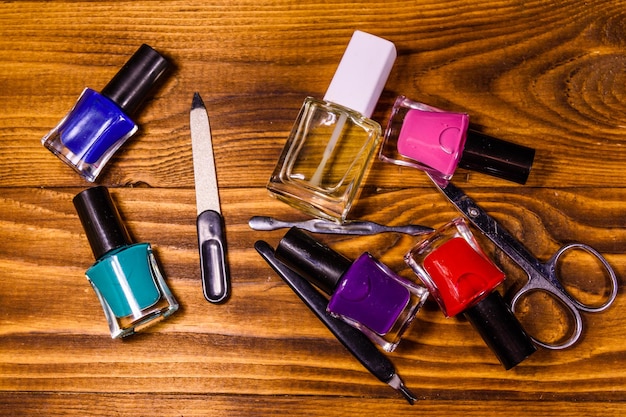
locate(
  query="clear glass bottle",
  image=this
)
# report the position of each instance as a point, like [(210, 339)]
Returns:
[(126, 277), (333, 140), (365, 293)]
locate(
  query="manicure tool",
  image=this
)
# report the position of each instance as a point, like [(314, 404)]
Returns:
[(210, 222), (362, 348), (325, 226)]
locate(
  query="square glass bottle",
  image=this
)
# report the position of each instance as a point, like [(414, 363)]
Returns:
[(365, 293), (100, 123), (438, 141), (126, 277), (333, 140), (463, 280)]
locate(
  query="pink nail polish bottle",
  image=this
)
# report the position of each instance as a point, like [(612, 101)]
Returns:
[(438, 141)]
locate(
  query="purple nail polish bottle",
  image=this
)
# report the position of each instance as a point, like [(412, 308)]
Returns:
[(365, 293)]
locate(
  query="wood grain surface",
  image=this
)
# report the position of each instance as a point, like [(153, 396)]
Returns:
[(549, 75)]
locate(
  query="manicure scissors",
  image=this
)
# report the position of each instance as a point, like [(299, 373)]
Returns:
[(542, 276)]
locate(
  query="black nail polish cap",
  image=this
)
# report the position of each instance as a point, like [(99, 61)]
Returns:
[(497, 157), (500, 330), (101, 221), (135, 79), (313, 260)]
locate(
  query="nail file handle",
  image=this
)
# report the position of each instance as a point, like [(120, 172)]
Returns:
[(213, 265)]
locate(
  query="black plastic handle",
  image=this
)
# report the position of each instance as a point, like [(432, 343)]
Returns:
[(213, 264)]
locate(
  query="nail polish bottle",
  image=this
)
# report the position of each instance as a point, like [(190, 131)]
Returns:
[(125, 277), (333, 140), (437, 141), (462, 279), (99, 123), (365, 293)]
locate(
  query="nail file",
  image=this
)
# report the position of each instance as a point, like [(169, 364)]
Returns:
[(210, 222)]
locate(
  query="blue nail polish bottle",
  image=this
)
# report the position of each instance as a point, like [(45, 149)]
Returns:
[(99, 123), (126, 276)]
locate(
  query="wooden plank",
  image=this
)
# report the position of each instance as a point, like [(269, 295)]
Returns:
[(218, 405)]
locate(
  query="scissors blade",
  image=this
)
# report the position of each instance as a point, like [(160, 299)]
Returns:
[(490, 227)]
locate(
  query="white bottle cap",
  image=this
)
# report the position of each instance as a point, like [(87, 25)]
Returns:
[(362, 73)]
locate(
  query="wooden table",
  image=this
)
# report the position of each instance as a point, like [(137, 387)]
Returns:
[(548, 75)]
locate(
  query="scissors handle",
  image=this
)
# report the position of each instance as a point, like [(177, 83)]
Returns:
[(549, 282), (564, 300), (610, 273)]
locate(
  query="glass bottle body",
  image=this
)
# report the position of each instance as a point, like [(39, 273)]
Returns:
[(425, 137), (131, 289), (90, 134), (377, 301), (325, 159), (454, 268)]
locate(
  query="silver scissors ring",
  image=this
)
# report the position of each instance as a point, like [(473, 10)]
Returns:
[(541, 276)]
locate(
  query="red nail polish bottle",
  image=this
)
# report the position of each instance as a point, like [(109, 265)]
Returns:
[(462, 279)]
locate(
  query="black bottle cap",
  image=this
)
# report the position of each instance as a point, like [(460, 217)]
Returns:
[(101, 221), (497, 157), (315, 261), (500, 330), (132, 83)]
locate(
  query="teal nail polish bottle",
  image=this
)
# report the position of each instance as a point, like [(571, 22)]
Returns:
[(125, 277)]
